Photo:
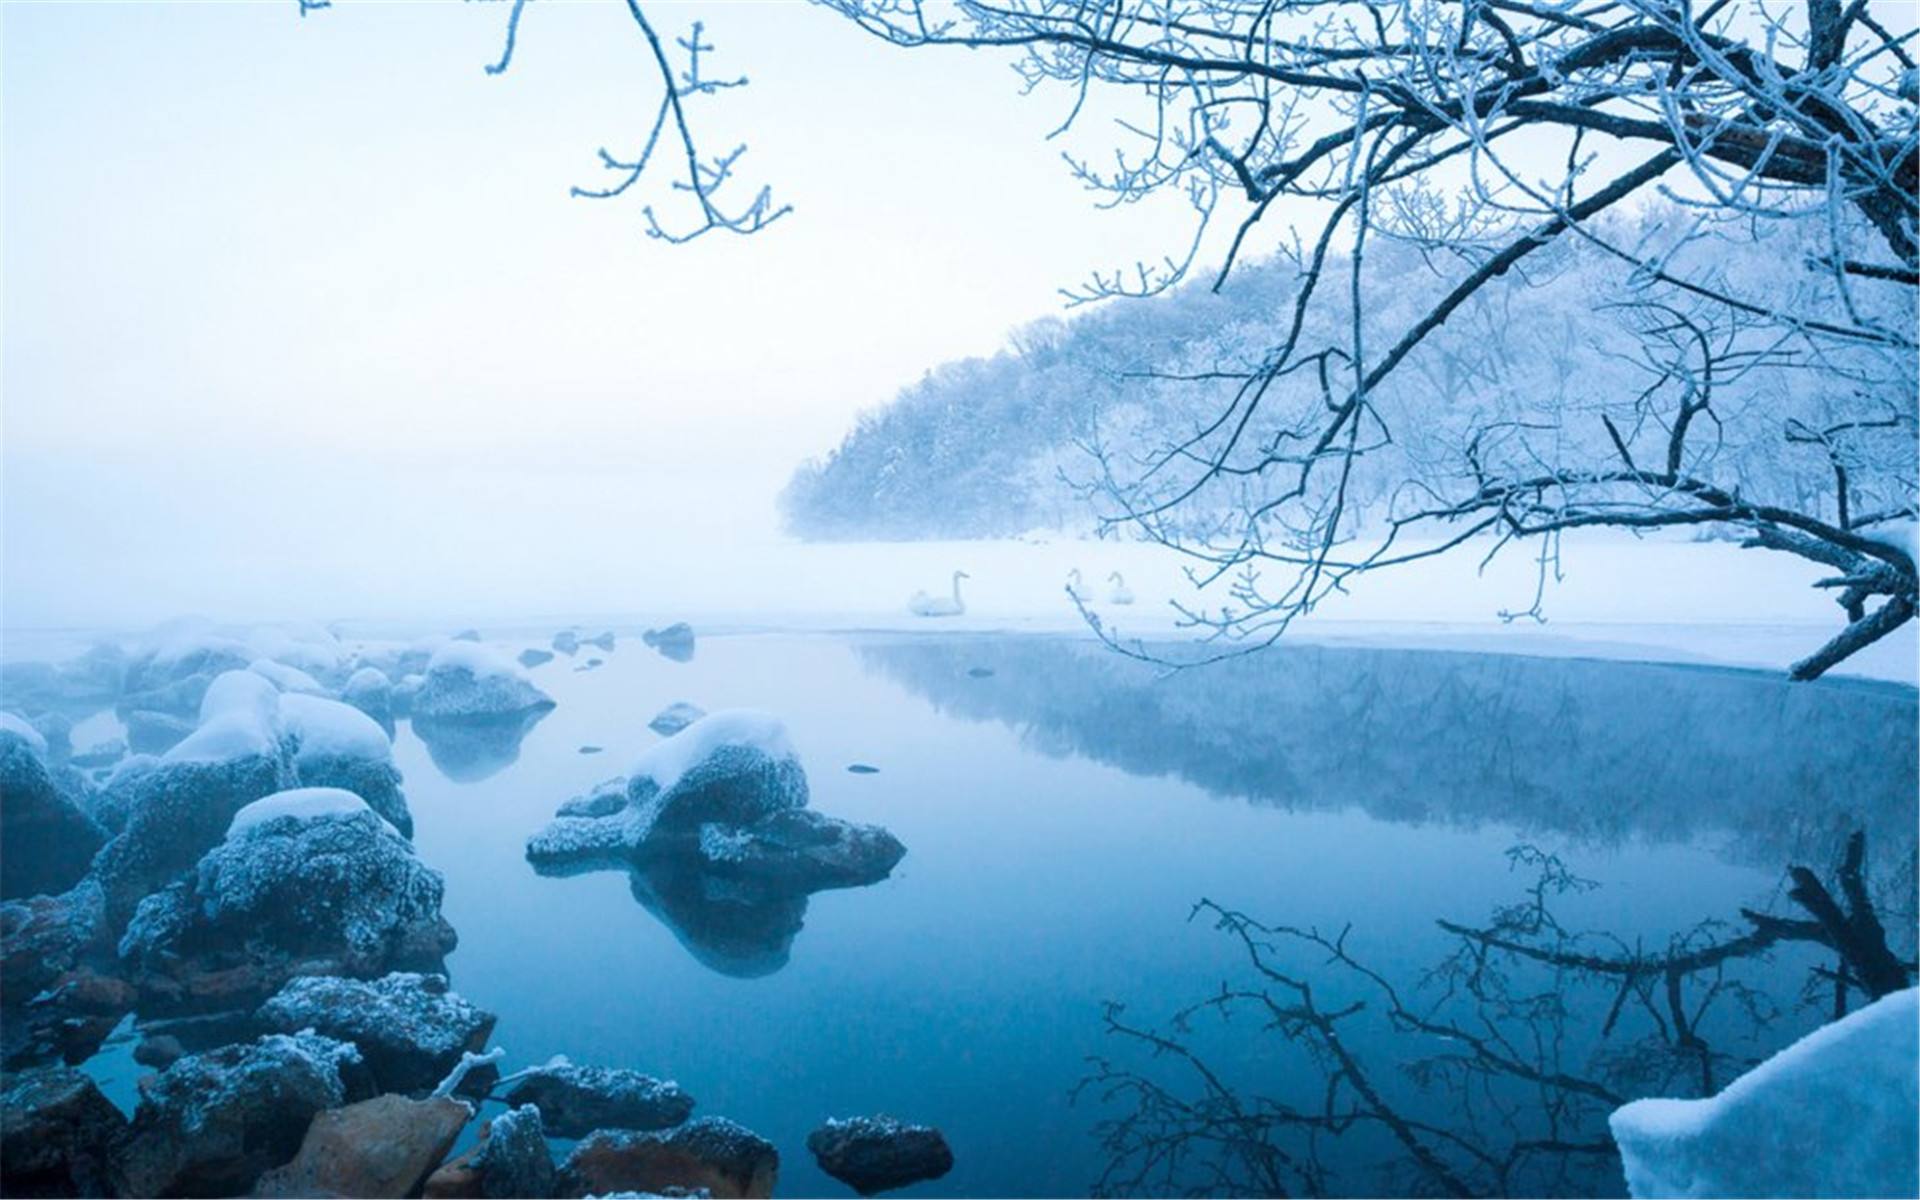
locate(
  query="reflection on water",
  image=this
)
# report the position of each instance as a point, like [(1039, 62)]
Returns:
[(1596, 751), (1061, 809), (469, 749)]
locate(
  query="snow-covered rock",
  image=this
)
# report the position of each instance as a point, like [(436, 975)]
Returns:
[(325, 888), (212, 1123), (410, 1029), (286, 678), (466, 679), (46, 839), (178, 808), (337, 745), (1835, 1114), (369, 690), (576, 1100), (731, 768)]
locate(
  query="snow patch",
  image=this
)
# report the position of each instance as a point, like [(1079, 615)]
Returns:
[(239, 733), (240, 691), (1834, 1114), (287, 679), (307, 804), (12, 724), (667, 761), (329, 729)]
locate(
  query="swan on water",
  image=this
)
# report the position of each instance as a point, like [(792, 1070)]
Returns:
[(1121, 593), (924, 605)]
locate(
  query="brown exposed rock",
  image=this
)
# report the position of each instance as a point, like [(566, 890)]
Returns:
[(385, 1146), (723, 1157)]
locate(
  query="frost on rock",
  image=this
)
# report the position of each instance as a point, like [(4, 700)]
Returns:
[(514, 1160), (574, 1101), (878, 1154), (179, 807), (212, 1123), (336, 892), (1835, 1114), (410, 1029), (466, 679), (46, 839)]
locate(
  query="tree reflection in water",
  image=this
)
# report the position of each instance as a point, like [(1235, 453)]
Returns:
[(1509, 1053)]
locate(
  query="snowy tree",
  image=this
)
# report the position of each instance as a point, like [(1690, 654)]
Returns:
[(1495, 141)]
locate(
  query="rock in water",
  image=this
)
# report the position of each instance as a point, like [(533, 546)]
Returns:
[(575, 1101), (336, 745), (386, 1146), (369, 690), (878, 1154), (316, 884), (55, 1002), (57, 1135), (465, 680), (46, 841), (675, 717), (675, 641), (150, 732), (1834, 1114), (531, 658), (732, 767), (409, 1028), (511, 1160), (101, 754), (566, 642), (212, 1123), (514, 1160), (725, 1158), (801, 850)]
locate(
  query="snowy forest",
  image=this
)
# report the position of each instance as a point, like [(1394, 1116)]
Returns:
[(950, 598), (1556, 348)]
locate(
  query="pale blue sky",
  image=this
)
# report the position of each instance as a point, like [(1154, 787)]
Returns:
[(299, 313)]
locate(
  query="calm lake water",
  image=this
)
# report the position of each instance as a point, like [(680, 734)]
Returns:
[(1064, 809)]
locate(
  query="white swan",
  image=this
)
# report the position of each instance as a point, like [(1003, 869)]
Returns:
[(1076, 587), (1121, 593), (924, 605)]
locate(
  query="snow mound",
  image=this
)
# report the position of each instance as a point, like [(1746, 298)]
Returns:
[(329, 729), (665, 762), (287, 679), (229, 735), (475, 659), (18, 728), (306, 804), (1834, 1114), (466, 679), (240, 691)]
